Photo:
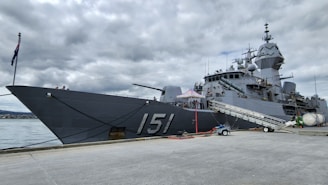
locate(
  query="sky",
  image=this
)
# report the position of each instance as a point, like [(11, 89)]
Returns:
[(105, 46)]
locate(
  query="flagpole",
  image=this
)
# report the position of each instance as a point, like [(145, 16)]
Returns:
[(19, 39)]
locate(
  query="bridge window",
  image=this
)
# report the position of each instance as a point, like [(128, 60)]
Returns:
[(236, 76)]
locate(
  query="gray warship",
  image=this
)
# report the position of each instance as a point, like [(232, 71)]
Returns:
[(252, 95)]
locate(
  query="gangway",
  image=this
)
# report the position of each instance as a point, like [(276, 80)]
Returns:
[(269, 123)]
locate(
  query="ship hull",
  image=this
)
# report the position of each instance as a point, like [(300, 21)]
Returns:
[(76, 117)]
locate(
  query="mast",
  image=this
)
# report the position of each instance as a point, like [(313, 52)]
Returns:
[(315, 85), (16, 56), (267, 37), (269, 60)]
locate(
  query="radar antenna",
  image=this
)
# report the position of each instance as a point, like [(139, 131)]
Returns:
[(249, 53), (267, 37)]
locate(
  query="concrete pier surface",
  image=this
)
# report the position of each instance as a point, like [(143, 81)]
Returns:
[(310, 131), (244, 157)]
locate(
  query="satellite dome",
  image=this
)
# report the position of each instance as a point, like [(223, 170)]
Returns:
[(251, 68)]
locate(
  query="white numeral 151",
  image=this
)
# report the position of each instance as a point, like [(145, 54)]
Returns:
[(156, 120)]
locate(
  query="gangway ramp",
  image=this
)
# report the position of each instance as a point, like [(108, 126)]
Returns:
[(269, 123)]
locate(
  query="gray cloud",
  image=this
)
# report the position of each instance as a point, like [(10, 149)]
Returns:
[(105, 46)]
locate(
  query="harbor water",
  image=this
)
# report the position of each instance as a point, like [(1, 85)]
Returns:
[(20, 133)]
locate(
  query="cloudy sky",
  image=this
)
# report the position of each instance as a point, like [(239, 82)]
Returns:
[(104, 46)]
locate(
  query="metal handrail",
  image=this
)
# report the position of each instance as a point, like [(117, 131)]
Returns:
[(258, 118)]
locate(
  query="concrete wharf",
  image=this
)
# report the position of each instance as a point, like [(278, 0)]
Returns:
[(244, 157)]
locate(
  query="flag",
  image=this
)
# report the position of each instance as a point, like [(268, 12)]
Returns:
[(15, 54)]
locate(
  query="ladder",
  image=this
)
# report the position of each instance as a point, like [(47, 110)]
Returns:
[(268, 122), (226, 83)]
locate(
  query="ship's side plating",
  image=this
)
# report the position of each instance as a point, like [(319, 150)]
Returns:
[(81, 117)]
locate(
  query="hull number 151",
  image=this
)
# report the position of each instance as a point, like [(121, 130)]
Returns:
[(155, 123)]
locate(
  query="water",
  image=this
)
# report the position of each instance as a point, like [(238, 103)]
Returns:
[(16, 133)]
